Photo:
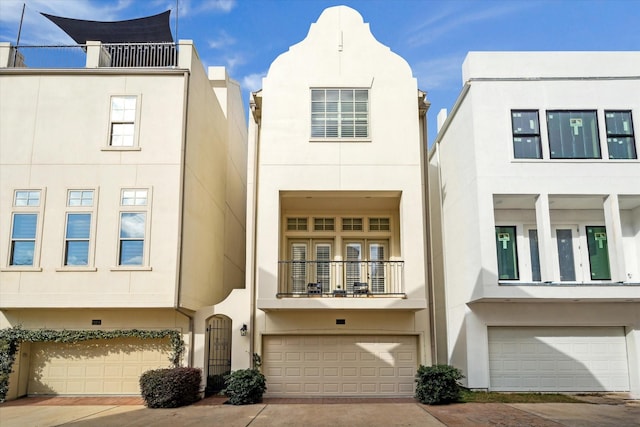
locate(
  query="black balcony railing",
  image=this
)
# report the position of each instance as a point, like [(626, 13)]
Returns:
[(114, 55), (340, 278)]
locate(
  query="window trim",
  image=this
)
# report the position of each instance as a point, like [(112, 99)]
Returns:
[(339, 138), (80, 209), (136, 125), (37, 246), (515, 135), (596, 134), (145, 209), (631, 135), (515, 244)]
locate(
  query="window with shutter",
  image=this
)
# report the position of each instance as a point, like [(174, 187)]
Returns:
[(339, 113)]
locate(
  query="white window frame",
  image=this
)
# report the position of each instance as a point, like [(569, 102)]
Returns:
[(340, 115), (135, 146), (125, 208), (27, 208), (82, 208)]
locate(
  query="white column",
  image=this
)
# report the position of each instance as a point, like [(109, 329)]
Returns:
[(545, 240), (614, 237), (633, 355)]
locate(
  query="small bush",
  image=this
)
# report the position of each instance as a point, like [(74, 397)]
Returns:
[(170, 388), (215, 384), (438, 384), (245, 386)]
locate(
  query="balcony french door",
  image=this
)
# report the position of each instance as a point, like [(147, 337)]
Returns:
[(367, 267), (303, 271)]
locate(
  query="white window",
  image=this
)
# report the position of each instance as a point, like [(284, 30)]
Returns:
[(122, 132), (78, 249), (339, 113), (132, 249), (23, 251)]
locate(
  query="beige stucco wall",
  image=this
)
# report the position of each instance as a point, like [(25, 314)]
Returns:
[(54, 138), (339, 51)]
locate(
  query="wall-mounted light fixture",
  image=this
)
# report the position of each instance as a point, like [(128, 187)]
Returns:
[(243, 330)]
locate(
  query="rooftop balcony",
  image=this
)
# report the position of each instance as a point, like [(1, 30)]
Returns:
[(95, 54)]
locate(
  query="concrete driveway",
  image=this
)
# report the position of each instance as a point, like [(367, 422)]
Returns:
[(314, 412)]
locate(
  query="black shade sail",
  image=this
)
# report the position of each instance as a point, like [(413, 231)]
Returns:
[(152, 29)]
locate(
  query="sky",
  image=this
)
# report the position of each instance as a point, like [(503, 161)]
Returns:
[(434, 36)]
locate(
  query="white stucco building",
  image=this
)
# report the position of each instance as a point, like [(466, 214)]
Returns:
[(122, 206), (335, 262), (535, 221)]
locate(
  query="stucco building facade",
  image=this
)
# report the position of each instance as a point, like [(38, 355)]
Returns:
[(534, 202)]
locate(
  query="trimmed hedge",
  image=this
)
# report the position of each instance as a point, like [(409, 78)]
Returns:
[(245, 386), (438, 384), (170, 388)]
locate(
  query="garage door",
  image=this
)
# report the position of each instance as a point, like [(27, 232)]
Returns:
[(94, 367), (558, 359), (340, 365)]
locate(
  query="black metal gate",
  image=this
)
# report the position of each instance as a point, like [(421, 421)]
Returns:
[(219, 331)]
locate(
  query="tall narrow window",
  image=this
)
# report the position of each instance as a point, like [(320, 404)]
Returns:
[(132, 228), (507, 253), (23, 239), (24, 228), (298, 267), (598, 253), (339, 113), (77, 238), (526, 134), (133, 225), (566, 260), (535, 256), (123, 116), (620, 138), (76, 246), (573, 135)]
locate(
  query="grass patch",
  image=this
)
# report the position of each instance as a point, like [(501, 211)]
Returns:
[(489, 397)]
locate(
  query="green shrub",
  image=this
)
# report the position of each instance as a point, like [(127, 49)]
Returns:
[(170, 388), (438, 384), (245, 386), (215, 383)]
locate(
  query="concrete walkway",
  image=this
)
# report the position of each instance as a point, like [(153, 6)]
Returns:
[(129, 412)]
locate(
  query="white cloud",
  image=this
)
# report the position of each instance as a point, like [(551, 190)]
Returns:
[(217, 5), (439, 73), (449, 20), (223, 40), (253, 82), (191, 7), (37, 29), (232, 61)]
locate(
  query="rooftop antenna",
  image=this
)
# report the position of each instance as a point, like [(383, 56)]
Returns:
[(15, 51)]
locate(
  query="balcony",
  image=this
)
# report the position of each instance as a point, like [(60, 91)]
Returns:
[(339, 285), (341, 279), (90, 55)]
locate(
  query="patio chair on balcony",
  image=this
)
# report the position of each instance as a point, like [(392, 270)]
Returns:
[(314, 289), (360, 288)]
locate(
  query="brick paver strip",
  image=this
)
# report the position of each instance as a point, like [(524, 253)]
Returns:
[(486, 414)]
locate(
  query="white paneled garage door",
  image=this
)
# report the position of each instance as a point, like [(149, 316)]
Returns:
[(94, 367), (558, 359), (340, 365)]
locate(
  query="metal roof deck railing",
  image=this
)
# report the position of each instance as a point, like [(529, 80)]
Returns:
[(113, 55)]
